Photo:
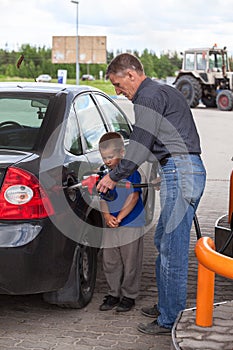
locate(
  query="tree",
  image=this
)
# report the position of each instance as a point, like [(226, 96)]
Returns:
[(164, 67), (147, 61), (38, 61)]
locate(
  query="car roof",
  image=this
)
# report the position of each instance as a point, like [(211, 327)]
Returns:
[(43, 87)]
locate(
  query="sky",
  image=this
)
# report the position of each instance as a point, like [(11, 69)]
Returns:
[(157, 25)]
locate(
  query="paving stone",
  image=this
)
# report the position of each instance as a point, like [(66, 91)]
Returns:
[(28, 323)]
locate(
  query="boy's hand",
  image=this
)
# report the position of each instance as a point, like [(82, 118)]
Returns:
[(105, 184), (111, 221)]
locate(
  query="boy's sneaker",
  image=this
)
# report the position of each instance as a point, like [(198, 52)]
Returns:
[(126, 304), (109, 303), (150, 311), (153, 328)]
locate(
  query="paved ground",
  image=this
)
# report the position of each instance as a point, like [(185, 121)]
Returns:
[(26, 322), (188, 336)]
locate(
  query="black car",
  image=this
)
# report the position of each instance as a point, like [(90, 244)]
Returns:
[(50, 232)]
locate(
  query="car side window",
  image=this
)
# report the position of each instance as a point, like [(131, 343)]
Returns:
[(116, 119), (91, 123), (72, 140)]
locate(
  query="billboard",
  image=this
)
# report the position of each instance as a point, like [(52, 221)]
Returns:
[(91, 49)]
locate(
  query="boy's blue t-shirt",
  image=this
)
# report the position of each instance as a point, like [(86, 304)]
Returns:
[(117, 197)]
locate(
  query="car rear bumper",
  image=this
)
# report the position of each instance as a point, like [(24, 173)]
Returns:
[(42, 264), (222, 233), (18, 234)]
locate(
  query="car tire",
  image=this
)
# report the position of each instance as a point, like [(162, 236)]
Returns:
[(79, 288)]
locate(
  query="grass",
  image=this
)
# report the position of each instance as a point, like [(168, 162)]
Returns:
[(105, 86)]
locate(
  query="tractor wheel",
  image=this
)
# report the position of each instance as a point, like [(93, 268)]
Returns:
[(190, 88), (209, 101), (224, 100)]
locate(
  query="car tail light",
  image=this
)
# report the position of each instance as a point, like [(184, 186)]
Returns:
[(18, 194), (22, 197)]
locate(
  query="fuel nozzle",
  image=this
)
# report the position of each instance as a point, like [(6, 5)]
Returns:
[(91, 181)]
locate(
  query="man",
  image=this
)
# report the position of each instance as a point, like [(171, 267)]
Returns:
[(164, 131)]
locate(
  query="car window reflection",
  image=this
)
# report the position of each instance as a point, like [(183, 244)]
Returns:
[(91, 124)]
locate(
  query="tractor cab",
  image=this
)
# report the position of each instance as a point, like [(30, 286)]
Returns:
[(205, 60)]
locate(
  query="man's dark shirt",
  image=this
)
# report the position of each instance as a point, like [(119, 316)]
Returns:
[(164, 126)]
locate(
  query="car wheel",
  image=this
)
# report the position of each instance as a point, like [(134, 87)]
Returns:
[(79, 288)]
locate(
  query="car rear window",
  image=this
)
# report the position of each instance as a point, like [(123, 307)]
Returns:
[(20, 121)]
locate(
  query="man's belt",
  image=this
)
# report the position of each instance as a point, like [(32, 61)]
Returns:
[(164, 160)]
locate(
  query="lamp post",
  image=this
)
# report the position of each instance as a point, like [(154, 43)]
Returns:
[(77, 60)]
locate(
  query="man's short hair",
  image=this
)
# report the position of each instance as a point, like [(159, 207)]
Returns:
[(111, 139), (122, 62)]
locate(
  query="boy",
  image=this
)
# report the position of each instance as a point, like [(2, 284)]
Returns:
[(122, 240)]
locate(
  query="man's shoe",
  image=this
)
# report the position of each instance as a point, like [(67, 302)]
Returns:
[(153, 328), (126, 304), (152, 312), (109, 303)]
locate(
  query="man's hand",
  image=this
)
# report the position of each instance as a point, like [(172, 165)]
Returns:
[(105, 184)]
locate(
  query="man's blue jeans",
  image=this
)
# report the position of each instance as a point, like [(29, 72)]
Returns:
[(182, 184)]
